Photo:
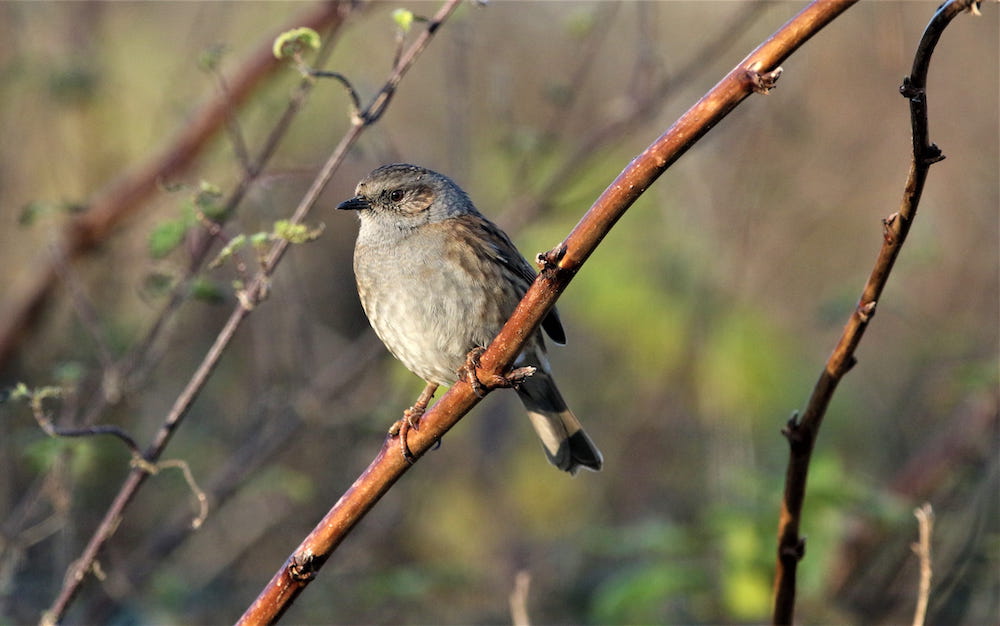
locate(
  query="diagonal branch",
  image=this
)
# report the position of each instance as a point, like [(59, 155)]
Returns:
[(559, 268), (137, 363), (123, 197), (802, 433), (254, 293)]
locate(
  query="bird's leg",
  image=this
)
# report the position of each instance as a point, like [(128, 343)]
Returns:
[(411, 419), (467, 372)]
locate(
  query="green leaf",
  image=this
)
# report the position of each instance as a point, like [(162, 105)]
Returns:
[(207, 291), (259, 240), (403, 19), (295, 41), (296, 233), (206, 200), (234, 244), (166, 237)]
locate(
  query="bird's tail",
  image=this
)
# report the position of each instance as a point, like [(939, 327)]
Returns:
[(565, 442)]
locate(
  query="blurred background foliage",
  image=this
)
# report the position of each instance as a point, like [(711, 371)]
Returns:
[(695, 330)]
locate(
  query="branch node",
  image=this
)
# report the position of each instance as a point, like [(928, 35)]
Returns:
[(141, 463), (795, 552), (931, 155), (302, 568), (889, 229), (550, 260), (791, 428), (910, 91), (866, 311), (846, 366), (762, 83)]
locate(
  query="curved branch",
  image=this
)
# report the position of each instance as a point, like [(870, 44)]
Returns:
[(560, 266), (802, 433)]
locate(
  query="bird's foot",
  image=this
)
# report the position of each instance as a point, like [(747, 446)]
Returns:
[(411, 420), (467, 372)]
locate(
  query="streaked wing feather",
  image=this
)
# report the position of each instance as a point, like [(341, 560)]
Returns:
[(498, 245)]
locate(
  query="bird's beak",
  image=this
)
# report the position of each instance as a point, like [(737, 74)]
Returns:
[(356, 203)]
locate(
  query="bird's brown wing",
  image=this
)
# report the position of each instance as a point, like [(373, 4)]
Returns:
[(503, 250)]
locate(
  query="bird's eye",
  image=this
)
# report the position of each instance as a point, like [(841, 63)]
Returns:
[(396, 195)]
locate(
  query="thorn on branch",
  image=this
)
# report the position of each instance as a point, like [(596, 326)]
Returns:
[(931, 154), (792, 431), (762, 83)]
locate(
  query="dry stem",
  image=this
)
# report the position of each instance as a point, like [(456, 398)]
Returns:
[(252, 295), (925, 522), (802, 433)]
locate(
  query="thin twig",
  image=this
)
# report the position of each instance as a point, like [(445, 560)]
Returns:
[(125, 195), (640, 109), (232, 124), (36, 399), (562, 265), (252, 295), (76, 573), (199, 494), (925, 523), (519, 599), (802, 432), (266, 435)]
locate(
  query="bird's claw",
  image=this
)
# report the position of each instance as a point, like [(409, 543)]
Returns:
[(468, 373), (411, 420)]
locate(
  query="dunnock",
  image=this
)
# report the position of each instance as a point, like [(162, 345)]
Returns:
[(438, 280)]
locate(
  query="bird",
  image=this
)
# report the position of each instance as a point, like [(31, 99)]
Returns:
[(437, 281)]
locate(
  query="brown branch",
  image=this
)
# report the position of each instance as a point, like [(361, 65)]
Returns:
[(123, 197), (560, 266), (802, 433), (266, 435), (253, 295), (641, 107), (135, 366)]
